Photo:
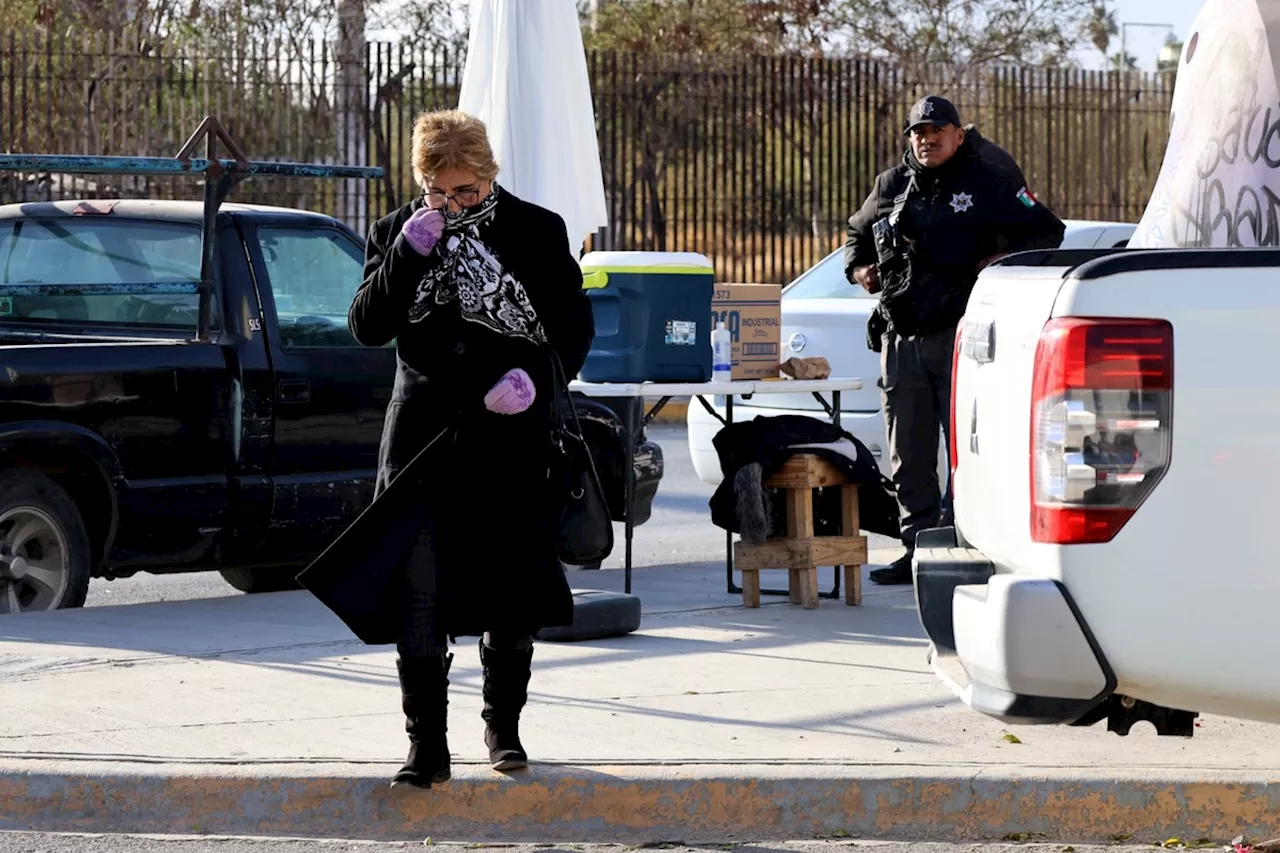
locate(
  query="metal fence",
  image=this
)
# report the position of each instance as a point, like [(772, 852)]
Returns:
[(755, 161)]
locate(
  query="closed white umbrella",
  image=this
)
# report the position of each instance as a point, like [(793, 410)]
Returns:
[(1219, 184), (526, 79)]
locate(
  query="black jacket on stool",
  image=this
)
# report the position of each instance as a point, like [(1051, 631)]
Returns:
[(477, 505), (768, 443)]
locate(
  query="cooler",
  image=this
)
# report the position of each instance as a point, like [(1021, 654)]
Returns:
[(653, 316)]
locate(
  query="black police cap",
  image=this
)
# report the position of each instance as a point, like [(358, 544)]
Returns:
[(935, 110)]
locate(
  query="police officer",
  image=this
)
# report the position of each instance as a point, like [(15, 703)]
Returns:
[(955, 204)]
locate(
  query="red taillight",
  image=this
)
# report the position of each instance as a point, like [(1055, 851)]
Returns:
[(1101, 425), (951, 430)]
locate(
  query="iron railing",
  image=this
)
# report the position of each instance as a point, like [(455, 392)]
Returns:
[(756, 161)]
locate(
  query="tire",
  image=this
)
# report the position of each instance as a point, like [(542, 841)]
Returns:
[(597, 614), (45, 556), (589, 567), (262, 579)]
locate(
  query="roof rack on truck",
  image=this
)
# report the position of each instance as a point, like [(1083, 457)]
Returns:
[(220, 177)]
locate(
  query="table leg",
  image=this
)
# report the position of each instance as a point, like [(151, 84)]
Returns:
[(835, 421), (702, 401), (733, 588), (629, 482), (653, 413)]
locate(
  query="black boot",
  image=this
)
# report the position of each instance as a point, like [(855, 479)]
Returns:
[(424, 695), (506, 689), (897, 572)]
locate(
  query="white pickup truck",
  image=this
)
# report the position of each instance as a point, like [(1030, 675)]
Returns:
[(1113, 443)]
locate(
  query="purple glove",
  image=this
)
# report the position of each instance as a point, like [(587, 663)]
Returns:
[(512, 395), (422, 230)]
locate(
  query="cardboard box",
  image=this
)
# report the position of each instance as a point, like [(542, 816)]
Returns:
[(753, 315)]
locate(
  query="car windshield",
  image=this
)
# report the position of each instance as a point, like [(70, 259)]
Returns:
[(825, 280)]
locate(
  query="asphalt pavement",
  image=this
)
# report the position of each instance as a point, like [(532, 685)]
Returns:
[(678, 533)]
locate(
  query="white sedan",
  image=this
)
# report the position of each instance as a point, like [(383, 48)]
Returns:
[(822, 314)]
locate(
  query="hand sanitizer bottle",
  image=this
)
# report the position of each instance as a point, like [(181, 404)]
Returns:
[(721, 354)]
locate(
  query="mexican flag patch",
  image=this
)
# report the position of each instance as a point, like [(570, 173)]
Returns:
[(1027, 199)]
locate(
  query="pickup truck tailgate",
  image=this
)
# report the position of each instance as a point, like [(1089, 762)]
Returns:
[(991, 403)]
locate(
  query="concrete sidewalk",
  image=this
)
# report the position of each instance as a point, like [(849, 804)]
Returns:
[(260, 715)]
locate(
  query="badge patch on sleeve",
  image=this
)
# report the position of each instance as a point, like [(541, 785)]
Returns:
[(1027, 199)]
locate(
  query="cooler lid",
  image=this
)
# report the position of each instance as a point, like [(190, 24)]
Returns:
[(669, 263)]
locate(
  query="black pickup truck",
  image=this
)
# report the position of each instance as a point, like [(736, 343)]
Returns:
[(130, 443)]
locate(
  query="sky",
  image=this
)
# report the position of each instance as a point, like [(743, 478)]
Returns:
[(1144, 42)]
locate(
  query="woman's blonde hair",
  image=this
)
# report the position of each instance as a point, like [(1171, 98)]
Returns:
[(446, 139)]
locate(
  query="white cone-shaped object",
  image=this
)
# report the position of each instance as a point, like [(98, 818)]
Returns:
[(1219, 184), (526, 78)]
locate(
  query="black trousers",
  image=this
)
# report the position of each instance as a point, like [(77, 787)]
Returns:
[(915, 388), (421, 634)]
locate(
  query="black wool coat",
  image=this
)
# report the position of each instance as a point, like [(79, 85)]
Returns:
[(479, 507)]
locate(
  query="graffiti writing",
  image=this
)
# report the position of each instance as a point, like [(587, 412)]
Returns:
[(1217, 211), (1255, 129), (1221, 191), (1252, 218)]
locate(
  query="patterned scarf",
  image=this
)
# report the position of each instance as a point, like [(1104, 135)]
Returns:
[(470, 274)]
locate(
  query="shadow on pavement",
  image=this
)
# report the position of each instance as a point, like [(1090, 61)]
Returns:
[(257, 625)]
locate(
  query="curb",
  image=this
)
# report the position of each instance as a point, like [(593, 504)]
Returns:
[(631, 803), (674, 412)]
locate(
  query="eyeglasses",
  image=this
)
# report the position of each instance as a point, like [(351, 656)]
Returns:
[(437, 199)]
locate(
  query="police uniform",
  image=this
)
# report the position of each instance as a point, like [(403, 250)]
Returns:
[(928, 231)]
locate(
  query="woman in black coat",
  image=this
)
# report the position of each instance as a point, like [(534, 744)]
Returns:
[(477, 288)]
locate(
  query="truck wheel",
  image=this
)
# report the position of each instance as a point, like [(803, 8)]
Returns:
[(262, 579), (44, 546)]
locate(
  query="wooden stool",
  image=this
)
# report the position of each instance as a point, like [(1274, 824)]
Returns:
[(801, 552)]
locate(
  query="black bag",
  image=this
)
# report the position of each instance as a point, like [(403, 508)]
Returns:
[(897, 293), (586, 531)]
